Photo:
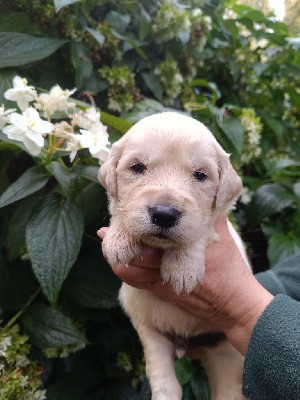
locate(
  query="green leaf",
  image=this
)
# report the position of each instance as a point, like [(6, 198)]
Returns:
[(18, 49), (145, 24), (59, 4), (272, 198), (232, 128), (83, 190), (82, 62), (49, 327), (53, 237), (184, 370), (15, 239), (281, 247), (153, 84), (199, 385), (15, 21), (91, 284), (30, 182), (249, 12), (62, 174), (115, 122), (6, 78), (96, 35), (118, 21)]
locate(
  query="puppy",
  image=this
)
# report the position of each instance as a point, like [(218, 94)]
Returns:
[(167, 181)]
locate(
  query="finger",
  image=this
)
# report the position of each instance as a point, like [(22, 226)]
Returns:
[(136, 275), (150, 258), (102, 232)]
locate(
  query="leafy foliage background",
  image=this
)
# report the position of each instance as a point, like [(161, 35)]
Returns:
[(130, 60)]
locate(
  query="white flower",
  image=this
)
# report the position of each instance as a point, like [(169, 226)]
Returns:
[(4, 115), (56, 100), (28, 128), (87, 119), (73, 145), (246, 195), (96, 140), (21, 93), (5, 344)]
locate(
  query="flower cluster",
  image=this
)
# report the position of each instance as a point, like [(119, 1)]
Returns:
[(20, 377), (170, 21), (51, 122), (252, 134), (170, 77), (121, 88)]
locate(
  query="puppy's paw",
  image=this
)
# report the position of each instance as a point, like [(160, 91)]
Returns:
[(119, 248), (182, 270), (172, 392)]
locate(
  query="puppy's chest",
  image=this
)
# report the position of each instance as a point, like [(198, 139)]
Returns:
[(143, 307)]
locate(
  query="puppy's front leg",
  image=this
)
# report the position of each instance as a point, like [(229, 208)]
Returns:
[(183, 268), (118, 246), (160, 365), (224, 367)]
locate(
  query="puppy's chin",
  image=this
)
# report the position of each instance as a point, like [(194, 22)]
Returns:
[(162, 240)]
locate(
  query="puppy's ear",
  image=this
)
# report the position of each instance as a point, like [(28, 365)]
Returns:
[(230, 185), (107, 174)]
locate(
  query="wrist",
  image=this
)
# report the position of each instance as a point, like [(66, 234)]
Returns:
[(244, 317)]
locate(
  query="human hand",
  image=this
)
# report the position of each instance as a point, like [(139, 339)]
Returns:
[(229, 296)]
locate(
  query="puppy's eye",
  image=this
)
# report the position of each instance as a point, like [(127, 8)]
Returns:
[(200, 176), (138, 168)]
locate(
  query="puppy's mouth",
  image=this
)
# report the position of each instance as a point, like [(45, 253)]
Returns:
[(160, 236)]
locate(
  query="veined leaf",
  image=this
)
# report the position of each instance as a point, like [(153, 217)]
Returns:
[(272, 198), (20, 49), (281, 247), (53, 237), (49, 327), (30, 182)]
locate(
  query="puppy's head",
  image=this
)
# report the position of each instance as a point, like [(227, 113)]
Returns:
[(168, 179)]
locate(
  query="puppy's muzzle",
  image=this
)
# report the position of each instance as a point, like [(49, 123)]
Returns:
[(164, 215)]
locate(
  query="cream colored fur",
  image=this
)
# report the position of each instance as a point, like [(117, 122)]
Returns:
[(172, 147)]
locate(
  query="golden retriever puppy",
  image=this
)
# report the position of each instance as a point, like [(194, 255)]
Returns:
[(168, 180)]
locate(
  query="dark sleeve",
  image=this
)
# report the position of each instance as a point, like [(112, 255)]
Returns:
[(272, 363)]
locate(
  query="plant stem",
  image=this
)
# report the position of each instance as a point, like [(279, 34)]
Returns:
[(19, 313)]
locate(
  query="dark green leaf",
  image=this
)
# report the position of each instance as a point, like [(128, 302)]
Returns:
[(30, 182), (48, 327), (92, 284), (199, 385), (96, 35), (6, 78), (153, 83), (62, 174), (15, 21), (272, 198), (83, 191), (82, 62), (19, 48), (15, 238), (232, 128), (118, 21), (53, 238), (145, 24), (281, 247), (184, 370)]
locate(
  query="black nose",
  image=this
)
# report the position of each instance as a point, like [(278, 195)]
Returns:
[(164, 215)]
